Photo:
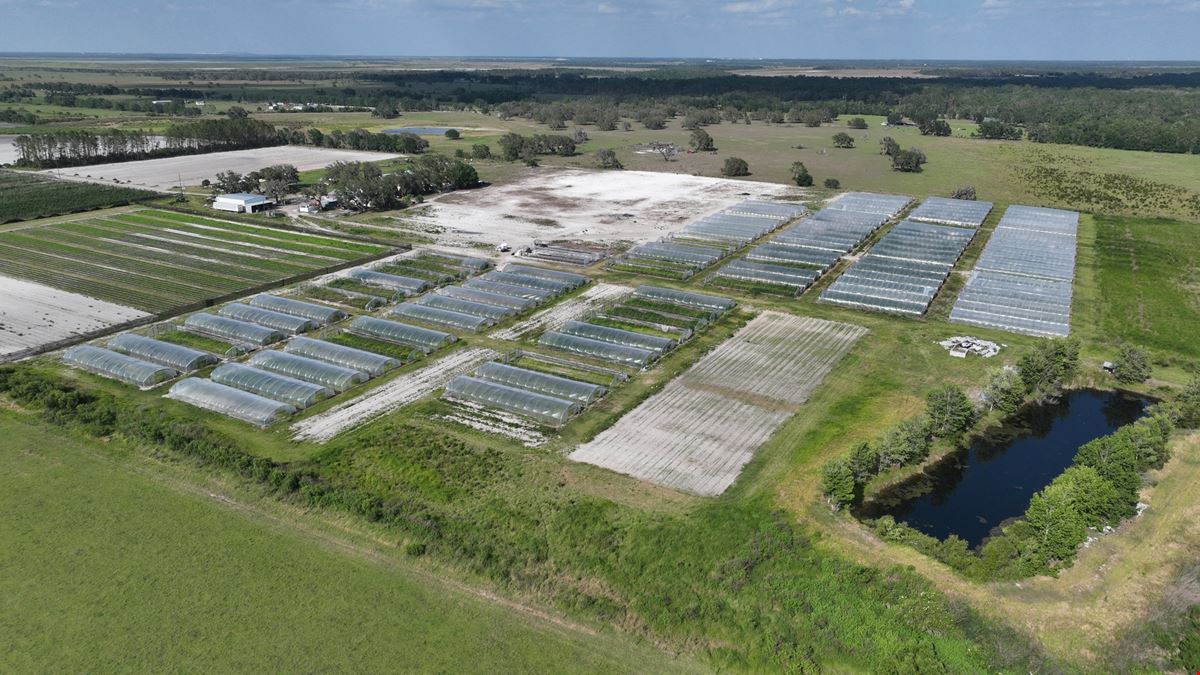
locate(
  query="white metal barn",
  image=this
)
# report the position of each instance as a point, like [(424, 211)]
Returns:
[(241, 203)]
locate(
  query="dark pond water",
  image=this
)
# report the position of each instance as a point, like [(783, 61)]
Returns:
[(978, 487), (420, 131)]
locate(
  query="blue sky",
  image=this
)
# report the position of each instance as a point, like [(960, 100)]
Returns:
[(908, 29)]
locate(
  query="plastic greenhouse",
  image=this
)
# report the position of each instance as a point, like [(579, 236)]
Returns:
[(117, 366), (542, 383), (156, 351), (685, 298), (337, 378), (487, 297), (441, 317), (232, 330), (401, 333), (228, 401), (575, 280), (483, 309), (272, 385), (545, 409), (308, 310), (598, 349), (535, 294), (617, 336), (515, 279), (393, 282), (284, 323), (340, 355)]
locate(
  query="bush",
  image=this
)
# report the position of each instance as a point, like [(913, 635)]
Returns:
[(838, 484), (481, 151), (452, 134), (1049, 365), (607, 159), (857, 123), (843, 140), (735, 166), (1189, 405), (950, 412), (801, 175), (1132, 366), (833, 184), (908, 161)]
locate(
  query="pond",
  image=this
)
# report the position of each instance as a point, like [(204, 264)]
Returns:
[(420, 131), (977, 488)]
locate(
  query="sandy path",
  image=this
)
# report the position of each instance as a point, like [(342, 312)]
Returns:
[(399, 392)]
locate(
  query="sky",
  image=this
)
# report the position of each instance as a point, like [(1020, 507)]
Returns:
[(800, 29)]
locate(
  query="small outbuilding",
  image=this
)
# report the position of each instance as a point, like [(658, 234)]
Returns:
[(242, 203)]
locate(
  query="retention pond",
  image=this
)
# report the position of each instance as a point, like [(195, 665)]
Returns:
[(977, 488)]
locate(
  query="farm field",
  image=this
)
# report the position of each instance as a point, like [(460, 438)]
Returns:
[(32, 315), (698, 433), (155, 261), (27, 196), (85, 531), (168, 172)]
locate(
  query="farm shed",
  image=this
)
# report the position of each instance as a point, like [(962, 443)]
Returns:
[(240, 202), (228, 401), (116, 366)]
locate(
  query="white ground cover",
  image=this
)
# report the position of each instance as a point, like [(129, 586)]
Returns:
[(574, 309), (495, 422), (168, 172), (598, 206), (32, 315), (401, 391), (8, 151), (698, 433)]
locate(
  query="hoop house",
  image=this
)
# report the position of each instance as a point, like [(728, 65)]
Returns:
[(487, 297), (400, 333), (235, 403), (685, 298), (284, 323), (272, 385), (483, 309), (307, 310), (392, 282), (441, 317), (535, 294), (232, 330), (618, 336), (325, 374), (340, 355), (542, 383), (598, 349), (545, 409), (539, 283), (165, 353), (571, 278), (115, 366)]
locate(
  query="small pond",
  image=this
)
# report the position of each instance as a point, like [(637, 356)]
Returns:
[(420, 131), (975, 489)]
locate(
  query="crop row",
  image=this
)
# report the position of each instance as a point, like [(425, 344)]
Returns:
[(358, 247), (29, 196)]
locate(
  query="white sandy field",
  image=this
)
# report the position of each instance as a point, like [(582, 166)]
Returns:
[(8, 151), (698, 433), (167, 172), (594, 206), (32, 315), (401, 391)]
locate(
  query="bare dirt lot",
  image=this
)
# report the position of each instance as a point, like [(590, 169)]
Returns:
[(32, 315), (168, 172), (599, 206)]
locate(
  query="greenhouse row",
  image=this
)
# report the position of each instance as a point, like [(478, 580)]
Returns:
[(391, 282), (441, 317), (274, 386), (423, 339), (571, 256), (463, 306), (232, 330), (512, 302), (869, 202), (958, 212), (618, 336), (1024, 277), (712, 303), (542, 383), (361, 360), (621, 355), (116, 366), (337, 378), (229, 401), (549, 410), (903, 272), (312, 311), (796, 278), (175, 356), (287, 324)]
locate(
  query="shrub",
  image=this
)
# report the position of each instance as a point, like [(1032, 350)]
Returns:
[(837, 483), (950, 412), (735, 166), (481, 151), (857, 123), (833, 184), (1132, 365), (607, 159), (801, 175), (843, 140), (452, 134)]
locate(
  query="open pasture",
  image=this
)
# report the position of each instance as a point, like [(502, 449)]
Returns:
[(156, 261), (704, 426)]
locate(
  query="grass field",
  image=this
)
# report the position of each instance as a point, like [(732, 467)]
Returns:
[(109, 567), (28, 196), (158, 260)]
